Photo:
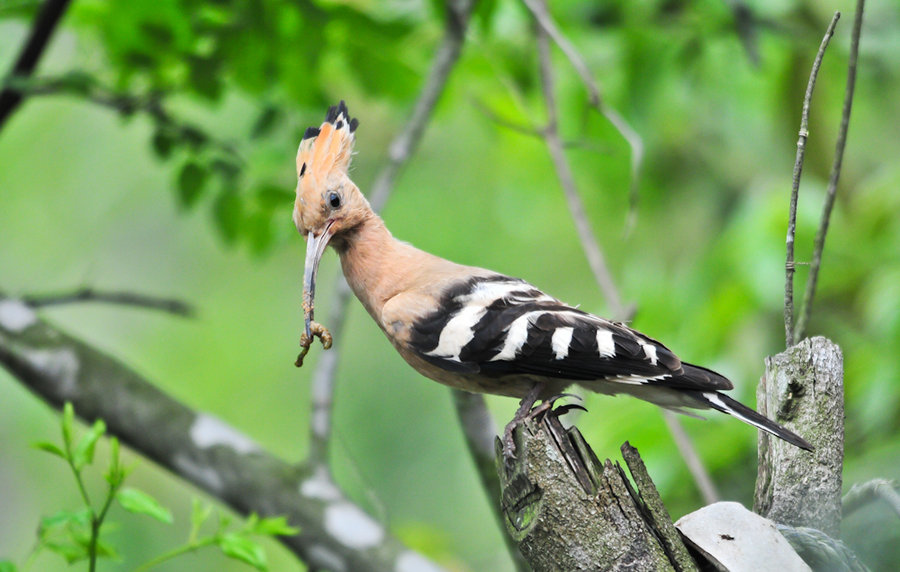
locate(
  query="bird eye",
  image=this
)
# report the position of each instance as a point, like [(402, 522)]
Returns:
[(334, 200)]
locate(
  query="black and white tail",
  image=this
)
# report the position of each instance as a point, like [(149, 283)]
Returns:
[(725, 404)]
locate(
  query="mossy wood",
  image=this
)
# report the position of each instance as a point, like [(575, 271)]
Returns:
[(568, 511)]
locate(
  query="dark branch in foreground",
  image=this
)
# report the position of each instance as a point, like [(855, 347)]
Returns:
[(335, 534), (833, 179), (169, 305), (789, 263), (44, 25)]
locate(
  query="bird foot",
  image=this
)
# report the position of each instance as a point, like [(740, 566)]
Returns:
[(528, 411)]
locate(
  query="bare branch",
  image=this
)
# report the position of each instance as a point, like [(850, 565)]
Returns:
[(87, 294), (588, 240), (533, 131), (592, 250), (44, 25), (402, 148), (404, 145), (745, 24), (691, 458), (457, 22), (480, 433), (196, 446), (831, 192), (530, 130), (861, 494), (83, 85), (542, 16), (789, 263)]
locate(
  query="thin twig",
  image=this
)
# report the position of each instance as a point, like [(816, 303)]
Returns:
[(84, 85), (169, 305), (534, 131), (590, 244), (745, 24), (479, 431), (44, 25), (691, 458), (831, 192), (596, 259), (545, 21), (789, 263), (861, 494), (401, 150)]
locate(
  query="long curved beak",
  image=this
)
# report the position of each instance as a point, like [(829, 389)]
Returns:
[(315, 247)]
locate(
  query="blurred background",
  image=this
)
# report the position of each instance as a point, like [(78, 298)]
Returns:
[(97, 189)]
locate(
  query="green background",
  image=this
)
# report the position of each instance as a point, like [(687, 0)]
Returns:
[(87, 198)]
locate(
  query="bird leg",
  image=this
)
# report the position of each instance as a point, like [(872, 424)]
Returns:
[(522, 413)]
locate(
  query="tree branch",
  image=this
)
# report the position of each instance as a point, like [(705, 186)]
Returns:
[(589, 242), (401, 149), (592, 249), (861, 494), (88, 294), (833, 179), (44, 25), (335, 533), (789, 263), (545, 21), (470, 410), (86, 86)]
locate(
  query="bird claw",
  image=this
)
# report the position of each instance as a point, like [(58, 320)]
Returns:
[(316, 330), (547, 406)]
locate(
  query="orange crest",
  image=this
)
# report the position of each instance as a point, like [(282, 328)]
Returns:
[(322, 163)]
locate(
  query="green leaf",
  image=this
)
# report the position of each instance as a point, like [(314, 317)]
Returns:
[(106, 550), (7, 566), (199, 513), (50, 448), (228, 213), (191, 180), (114, 474), (265, 122), (274, 526), (242, 548), (140, 502), (163, 142), (68, 422), (84, 452), (259, 231), (63, 518), (71, 551), (270, 197), (66, 533)]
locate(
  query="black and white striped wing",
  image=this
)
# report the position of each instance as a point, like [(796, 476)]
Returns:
[(498, 326)]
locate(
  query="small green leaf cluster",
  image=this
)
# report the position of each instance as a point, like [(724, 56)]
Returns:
[(78, 535)]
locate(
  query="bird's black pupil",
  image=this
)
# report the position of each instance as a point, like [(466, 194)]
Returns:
[(334, 200)]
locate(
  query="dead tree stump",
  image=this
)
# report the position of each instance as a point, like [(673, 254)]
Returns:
[(568, 511), (803, 389)]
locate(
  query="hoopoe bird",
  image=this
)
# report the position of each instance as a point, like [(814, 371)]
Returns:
[(474, 329)]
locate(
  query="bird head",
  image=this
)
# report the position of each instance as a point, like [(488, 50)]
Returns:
[(328, 204)]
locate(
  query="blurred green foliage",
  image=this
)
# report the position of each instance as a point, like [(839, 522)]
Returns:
[(214, 98)]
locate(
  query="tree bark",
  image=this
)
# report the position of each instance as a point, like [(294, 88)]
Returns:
[(568, 511), (335, 534), (803, 389)]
